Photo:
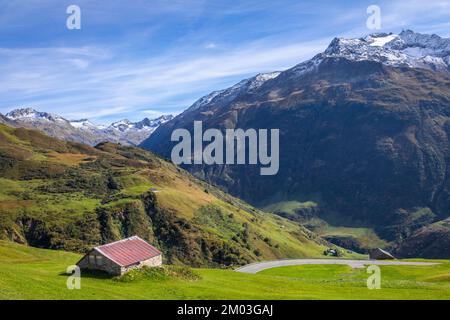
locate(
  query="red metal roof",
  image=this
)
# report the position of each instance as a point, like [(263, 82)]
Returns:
[(128, 251)]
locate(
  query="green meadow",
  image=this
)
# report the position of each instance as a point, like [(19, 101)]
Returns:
[(30, 273)]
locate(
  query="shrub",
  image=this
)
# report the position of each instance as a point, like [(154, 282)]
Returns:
[(160, 274)]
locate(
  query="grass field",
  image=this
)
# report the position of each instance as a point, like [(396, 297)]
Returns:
[(29, 273)]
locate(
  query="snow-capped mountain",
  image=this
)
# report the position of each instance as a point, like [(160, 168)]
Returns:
[(122, 125), (135, 132), (153, 123), (227, 95), (408, 49), (125, 132), (30, 115), (145, 124)]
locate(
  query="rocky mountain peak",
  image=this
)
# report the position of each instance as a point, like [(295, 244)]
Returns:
[(153, 123), (22, 112), (405, 49), (122, 125), (30, 114)]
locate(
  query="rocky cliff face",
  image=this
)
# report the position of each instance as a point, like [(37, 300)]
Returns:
[(431, 242), (364, 127)]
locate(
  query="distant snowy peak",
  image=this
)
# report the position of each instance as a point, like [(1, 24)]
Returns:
[(83, 130), (223, 96), (30, 114), (145, 124), (153, 123), (122, 125), (405, 49)]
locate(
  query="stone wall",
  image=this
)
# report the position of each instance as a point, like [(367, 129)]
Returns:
[(96, 261), (152, 262)]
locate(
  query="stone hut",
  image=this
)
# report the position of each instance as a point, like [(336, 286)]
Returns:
[(121, 256)]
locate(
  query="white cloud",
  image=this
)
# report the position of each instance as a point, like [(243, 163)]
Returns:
[(100, 80), (91, 81), (407, 14), (210, 45)]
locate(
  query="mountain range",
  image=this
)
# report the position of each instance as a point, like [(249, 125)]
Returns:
[(84, 131), (364, 141)]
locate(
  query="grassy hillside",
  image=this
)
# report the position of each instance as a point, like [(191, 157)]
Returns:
[(30, 273), (69, 196)]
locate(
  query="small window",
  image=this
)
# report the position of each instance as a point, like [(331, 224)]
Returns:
[(91, 259), (99, 260)]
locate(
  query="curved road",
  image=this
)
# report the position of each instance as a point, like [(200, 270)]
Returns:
[(259, 266)]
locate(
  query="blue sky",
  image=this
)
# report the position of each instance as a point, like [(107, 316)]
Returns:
[(135, 59)]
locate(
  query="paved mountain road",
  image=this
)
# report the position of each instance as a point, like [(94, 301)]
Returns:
[(259, 266)]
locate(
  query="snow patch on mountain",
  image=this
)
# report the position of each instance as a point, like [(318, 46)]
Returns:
[(83, 123), (226, 95), (381, 40)]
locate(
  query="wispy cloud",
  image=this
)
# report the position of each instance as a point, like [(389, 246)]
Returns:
[(58, 82), (158, 57)]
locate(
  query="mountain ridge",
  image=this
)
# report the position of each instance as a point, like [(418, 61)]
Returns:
[(83, 130)]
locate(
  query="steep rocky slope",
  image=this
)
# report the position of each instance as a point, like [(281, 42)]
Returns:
[(431, 242)]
